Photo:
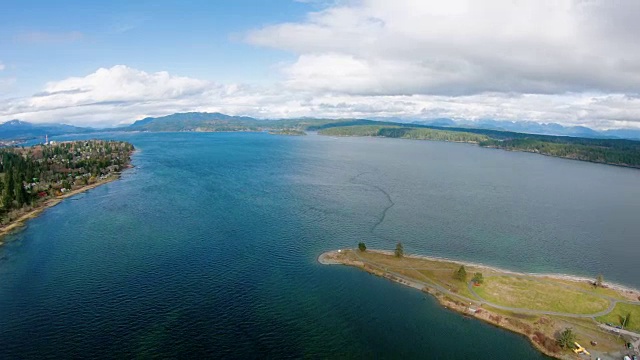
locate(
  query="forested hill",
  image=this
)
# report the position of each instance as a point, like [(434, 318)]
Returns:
[(395, 131), (16, 129), (217, 122), (606, 151)]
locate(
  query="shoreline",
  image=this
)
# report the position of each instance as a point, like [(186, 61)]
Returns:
[(512, 320), (21, 221), (628, 166), (558, 276)]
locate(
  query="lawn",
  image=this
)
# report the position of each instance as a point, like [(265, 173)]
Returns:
[(519, 292), (587, 286), (619, 312)]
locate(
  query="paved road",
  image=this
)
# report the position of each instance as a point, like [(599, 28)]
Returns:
[(621, 331)]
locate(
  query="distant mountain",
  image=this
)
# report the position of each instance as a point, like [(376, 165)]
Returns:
[(202, 121), (624, 133), (16, 129), (531, 127), (437, 122), (194, 121)]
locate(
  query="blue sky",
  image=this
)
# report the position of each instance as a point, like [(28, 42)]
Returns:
[(191, 38), (105, 63)]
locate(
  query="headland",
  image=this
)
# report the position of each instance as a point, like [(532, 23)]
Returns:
[(35, 178), (603, 318)]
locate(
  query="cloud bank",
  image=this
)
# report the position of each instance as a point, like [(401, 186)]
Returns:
[(463, 47), (120, 95), (574, 62)]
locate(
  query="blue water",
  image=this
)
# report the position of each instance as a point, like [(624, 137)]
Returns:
[(208, 247)]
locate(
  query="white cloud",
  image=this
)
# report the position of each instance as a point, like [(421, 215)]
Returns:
[(1, 66), (120, 95), (462, 47), (573, 62)]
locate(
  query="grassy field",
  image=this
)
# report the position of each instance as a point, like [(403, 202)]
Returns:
[(438, 272), (588, 286), (569, 298), (619, 312), (530, 294)]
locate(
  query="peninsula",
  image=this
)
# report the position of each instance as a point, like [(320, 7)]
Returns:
[(563, 316), (37, 177), (288, 132)]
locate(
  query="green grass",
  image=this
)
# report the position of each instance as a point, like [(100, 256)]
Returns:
[(587, 286), (529, 294), (621, 310)]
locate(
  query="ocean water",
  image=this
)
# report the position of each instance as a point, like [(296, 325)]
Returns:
[(208, 248)]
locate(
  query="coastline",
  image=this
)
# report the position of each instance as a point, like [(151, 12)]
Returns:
[(514, 321), (497, 148), (20, 222), (576, 278)]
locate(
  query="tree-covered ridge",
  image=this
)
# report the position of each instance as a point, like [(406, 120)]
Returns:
[(606, 151), (29, 176), (616, 152), (216, 122), (404, 133), (289, 132)]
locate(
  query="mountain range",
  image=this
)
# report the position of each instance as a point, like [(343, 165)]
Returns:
[(16, 129), (532, 127), (201, 121)]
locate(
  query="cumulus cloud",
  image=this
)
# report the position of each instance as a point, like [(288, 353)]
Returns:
[(573, 62), (121, 95), (1, 66), (462, 47), (105, 96)]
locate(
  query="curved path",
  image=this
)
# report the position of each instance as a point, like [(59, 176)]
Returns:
[(480, 301), (612, 304)]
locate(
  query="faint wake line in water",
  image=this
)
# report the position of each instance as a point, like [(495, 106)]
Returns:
[(384, 212), (383, 216)]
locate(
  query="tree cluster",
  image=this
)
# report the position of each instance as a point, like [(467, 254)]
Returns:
[(32, 174), (478, 279)]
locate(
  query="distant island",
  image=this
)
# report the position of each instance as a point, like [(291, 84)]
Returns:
[(289, 132), (561, 315), (34, 178), (603, 149), (397, 131)]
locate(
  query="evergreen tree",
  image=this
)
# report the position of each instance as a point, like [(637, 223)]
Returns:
[(399, 252), (461, 274), (478, 278), (567, 338), (9, 190)]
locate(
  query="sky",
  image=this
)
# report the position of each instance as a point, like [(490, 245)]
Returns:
[(108, 63)]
